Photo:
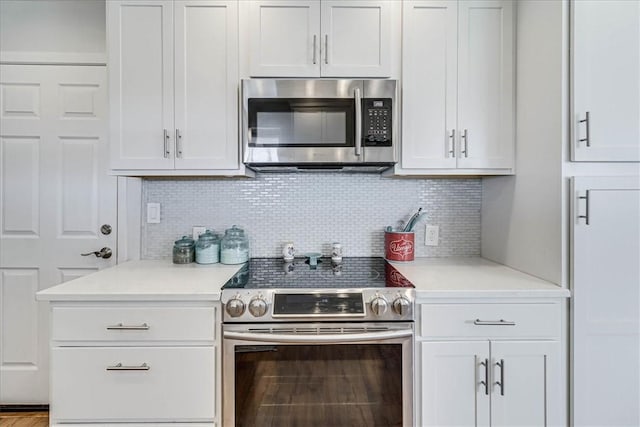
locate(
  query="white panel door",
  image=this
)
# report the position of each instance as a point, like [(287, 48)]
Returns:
[(140, 50), (451, 383), (606, 301), (429, 83), (285, 38), (54, 195), (486, 84), (606, 80), (356, 38), (206, 84), (524, 375)]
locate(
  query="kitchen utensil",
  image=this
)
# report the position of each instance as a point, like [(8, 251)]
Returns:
[(411, 221), (416, 221)]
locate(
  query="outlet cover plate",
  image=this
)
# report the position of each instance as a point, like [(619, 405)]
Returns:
[(431, 235)]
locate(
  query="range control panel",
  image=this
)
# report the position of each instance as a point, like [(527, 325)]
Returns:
[(377, 123)]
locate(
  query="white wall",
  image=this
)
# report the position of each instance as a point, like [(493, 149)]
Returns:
[(50, 27), (522, 224)]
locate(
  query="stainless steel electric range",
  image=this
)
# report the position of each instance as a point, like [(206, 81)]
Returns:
[(321, 345)]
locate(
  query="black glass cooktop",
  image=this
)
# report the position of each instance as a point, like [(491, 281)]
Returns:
[(353, 272)]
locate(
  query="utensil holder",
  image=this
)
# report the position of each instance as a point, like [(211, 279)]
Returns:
[(399, 245)]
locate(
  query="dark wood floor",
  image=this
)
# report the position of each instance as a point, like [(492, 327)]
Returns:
[(24, 419)]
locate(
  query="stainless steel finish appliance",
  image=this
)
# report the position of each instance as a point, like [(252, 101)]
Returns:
[(303, 125), (321, 345)]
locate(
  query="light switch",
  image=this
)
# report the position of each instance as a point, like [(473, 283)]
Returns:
[(153, 213)]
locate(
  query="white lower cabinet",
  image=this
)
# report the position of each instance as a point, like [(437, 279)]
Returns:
[(125, 364), (485, 373)]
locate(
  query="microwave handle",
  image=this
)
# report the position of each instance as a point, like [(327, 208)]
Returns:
[(358, 101)]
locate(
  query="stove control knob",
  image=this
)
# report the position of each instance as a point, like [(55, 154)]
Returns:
[(401, 306), (378, 306), (235, 307), (258, 307)]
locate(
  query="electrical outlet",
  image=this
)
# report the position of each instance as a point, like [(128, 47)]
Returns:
[(431, 235), (153, 213), (197, 231)]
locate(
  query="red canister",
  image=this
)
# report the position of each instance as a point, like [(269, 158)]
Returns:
[(399, 245)]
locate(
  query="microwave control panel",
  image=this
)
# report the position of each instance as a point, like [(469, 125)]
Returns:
[(376, 122)]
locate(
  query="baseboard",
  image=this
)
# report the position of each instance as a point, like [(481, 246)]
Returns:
[(24, 408)]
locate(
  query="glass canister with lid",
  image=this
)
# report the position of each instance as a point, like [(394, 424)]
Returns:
[(234, 247), (184, 250), (208, 248)]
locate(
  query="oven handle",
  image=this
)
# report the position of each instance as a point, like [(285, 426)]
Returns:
[(317, 339)]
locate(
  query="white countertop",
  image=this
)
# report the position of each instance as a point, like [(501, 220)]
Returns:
[(161, 280), (145, 280), (473, 278)]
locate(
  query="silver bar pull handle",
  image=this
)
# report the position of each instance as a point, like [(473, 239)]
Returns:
[(586, 209), (314, 49), (587, 136), (500, 383), (452, 143), (121, 367), (500, 322), (121, 327), (178, 144), (358, 136), (464, 139), (485, 383), (166, 144), (326, 48)]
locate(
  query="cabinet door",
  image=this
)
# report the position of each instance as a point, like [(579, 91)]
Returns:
[(140, 48), (429, 82), (451, 376), (486, 84), (356, 38), (522, 375), (285, 38), (606, 301), (606, 82), (206, 84)]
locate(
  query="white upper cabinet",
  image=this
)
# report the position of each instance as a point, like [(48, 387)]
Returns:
[(284, 38), (292, 38), (606, 80), (173, 71), (458, 87), (206, 85), (140, 45), (430, 87)]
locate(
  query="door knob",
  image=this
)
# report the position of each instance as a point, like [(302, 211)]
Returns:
[(102, 253)]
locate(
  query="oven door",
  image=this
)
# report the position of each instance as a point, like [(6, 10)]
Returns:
[(302, 121), (322, 374)]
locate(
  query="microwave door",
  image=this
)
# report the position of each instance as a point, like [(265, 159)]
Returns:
[(301, 129)]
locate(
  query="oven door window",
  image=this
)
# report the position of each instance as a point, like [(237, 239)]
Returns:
[(318, 385), (301, 122)]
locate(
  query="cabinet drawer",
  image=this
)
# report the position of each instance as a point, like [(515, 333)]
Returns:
[(135, 323), (152, 383), (490, 320)]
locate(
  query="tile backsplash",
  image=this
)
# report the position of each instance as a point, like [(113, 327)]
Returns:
[(314, 210)]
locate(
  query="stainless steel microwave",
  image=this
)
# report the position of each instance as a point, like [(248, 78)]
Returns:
[(315, 125)]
